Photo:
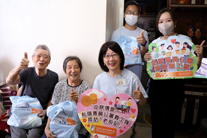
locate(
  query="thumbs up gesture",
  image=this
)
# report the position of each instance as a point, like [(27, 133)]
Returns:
[(141, 39), (199, 49), (24, 62), (74, 96), (137, 94)]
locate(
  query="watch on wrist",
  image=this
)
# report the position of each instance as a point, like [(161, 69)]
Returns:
[(144, 44)]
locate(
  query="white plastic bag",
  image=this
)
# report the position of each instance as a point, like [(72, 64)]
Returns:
[(65, 122), (24, 112)]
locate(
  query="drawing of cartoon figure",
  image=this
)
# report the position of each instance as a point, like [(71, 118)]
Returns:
[(177, 49), (162, 51), (116, 102), (119, 105), (127, 47), (170, 51), (124, 107), (129, 104), (134, 50), (186, 50), (154, 54)]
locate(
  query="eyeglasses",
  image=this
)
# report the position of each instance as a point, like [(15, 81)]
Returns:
[(45, 56), (132, 12), (113, 56)]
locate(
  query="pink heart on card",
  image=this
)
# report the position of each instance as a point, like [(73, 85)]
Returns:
[(173, 40), (106, 117)]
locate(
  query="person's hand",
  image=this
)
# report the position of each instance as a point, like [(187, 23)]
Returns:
[(147, 56), (24, 62), (141, 39), (199, 49), (74, 96), (137, 94), (48, 133), (42, 114)]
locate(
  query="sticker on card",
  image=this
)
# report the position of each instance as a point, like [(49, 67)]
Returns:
[(106, 117), (173, 58)]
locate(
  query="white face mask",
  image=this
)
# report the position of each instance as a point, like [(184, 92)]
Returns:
[(131, 19), (166, 28)]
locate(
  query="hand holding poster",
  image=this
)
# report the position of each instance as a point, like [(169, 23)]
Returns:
[(107, 118), (173, 58)]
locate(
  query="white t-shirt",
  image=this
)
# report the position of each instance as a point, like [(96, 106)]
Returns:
[(108, 84), (122, 31), (179, 35), (187, 52), (178, 54), (160, 52), (154, 55), (125, 32)]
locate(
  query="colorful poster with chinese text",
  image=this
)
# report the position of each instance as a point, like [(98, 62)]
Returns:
[(106, 117), (173, 58)]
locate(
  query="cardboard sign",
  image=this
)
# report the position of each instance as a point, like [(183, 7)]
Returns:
[(107, 118), (173, 58)]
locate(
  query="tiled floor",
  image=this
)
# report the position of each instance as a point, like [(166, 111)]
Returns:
[(143, 130)]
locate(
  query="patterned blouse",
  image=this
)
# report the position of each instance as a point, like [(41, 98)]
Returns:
[(62, 91)]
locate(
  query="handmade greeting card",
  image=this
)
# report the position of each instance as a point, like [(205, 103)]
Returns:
[(105, 117), (173, 58)]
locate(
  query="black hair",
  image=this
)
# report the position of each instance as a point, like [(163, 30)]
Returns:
[(69, 58), (162, 44), (132, 2), (117, 98), (169, 46), (188, 46), (153, 47), (129, 98), (177, 42), (163, 11), (114, 47)]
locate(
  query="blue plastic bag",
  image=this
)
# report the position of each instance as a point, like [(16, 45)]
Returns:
[(65, 122), (131, 50), (24, 112)]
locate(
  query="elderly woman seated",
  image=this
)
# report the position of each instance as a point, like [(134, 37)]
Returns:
[(69, 89)]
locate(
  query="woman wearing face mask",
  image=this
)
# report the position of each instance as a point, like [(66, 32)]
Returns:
[(131, 15), (166, 96)]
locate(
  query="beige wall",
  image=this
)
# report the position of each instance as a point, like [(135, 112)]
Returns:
[(114, 16), (68, 27)]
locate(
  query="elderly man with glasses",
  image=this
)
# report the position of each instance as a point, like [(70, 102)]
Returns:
[(37, 81)]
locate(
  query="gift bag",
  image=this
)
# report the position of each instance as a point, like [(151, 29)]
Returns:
[(64, 122), (24, 112)]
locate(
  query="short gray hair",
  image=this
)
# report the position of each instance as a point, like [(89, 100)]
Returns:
[(43, 47), (69, 58)]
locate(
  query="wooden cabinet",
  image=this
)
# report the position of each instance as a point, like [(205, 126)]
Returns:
[(194, 106), (191, 17), (188, 2)]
